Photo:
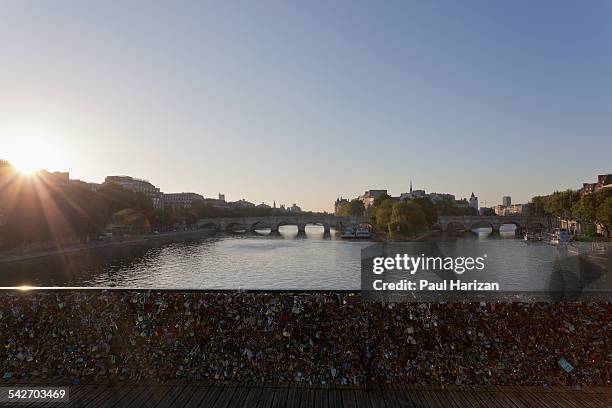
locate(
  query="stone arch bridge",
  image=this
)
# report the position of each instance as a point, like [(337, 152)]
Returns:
[(469, 222), (274, 222)]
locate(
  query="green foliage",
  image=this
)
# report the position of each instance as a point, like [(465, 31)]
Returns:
[(557, 204), (381, 198), (596, 208), (428, 208), (400, 218), (118, 198), (407, 220), (202, 209), (447, 207), (353, 209), (129, 216), (381, 214)]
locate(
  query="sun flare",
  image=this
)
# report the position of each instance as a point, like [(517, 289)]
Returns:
[(29, 155)]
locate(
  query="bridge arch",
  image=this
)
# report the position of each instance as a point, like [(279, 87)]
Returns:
[(259, 225), (512, 222), (276, 221), (286, 222), (455, 226), (483, 224), (326, 225), (235, 227), (519, 226)]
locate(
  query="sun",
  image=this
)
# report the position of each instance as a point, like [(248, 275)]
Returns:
[(29, 155), (24, 165)]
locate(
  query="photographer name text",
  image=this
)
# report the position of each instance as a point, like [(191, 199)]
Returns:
[(425, 285)]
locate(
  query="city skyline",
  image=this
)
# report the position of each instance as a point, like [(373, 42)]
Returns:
[(505, 201), (304, 103)]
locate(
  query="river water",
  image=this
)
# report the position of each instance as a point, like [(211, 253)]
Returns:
[(263, 261)]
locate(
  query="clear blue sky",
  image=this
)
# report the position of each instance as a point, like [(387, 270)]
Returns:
[(304, 102)]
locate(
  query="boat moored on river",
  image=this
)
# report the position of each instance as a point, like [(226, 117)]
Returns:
[(363, 233), (348, 233), (359, 233), (559, 236)]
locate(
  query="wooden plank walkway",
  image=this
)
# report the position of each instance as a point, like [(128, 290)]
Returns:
[(299, 395)]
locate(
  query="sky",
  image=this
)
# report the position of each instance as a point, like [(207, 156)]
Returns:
[(304, 102)]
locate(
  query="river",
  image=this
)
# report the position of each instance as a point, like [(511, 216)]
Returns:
[(262, 261)]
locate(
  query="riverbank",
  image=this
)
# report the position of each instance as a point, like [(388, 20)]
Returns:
[(153, 239)]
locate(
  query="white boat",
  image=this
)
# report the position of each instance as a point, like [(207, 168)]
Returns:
[(559, 237), (532, 236), (363, 233), (348, 233)]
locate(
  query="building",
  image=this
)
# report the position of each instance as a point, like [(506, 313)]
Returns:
[(463, 203), (473, 201), (369, 196), (139, 186), (263, 205), (56, 178), (486, 211), (217, 202), (518, 209), (340, 202), (181, 200), (603, 181), (439, 197), (513, 209), (294, 209), (62, 179), (241, 204), (83, 184), (506, 201), (412, 195)]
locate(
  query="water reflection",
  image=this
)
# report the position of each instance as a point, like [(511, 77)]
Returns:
[(286, 260)]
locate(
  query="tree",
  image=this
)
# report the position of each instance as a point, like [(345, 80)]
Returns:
[(381, 214), (604, 215), (354, 208), (129, 216), (428, 208), (381, 198), (536, 206), (118, 198), (447, 207), (560, 203), (596, 208), (407, 219)]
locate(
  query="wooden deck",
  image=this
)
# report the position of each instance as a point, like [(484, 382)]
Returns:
[(386, 396)]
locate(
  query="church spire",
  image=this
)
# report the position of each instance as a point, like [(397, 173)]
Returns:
[(411, 185)]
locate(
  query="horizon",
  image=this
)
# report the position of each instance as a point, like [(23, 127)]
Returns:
[(304, 103), (287, 204)]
